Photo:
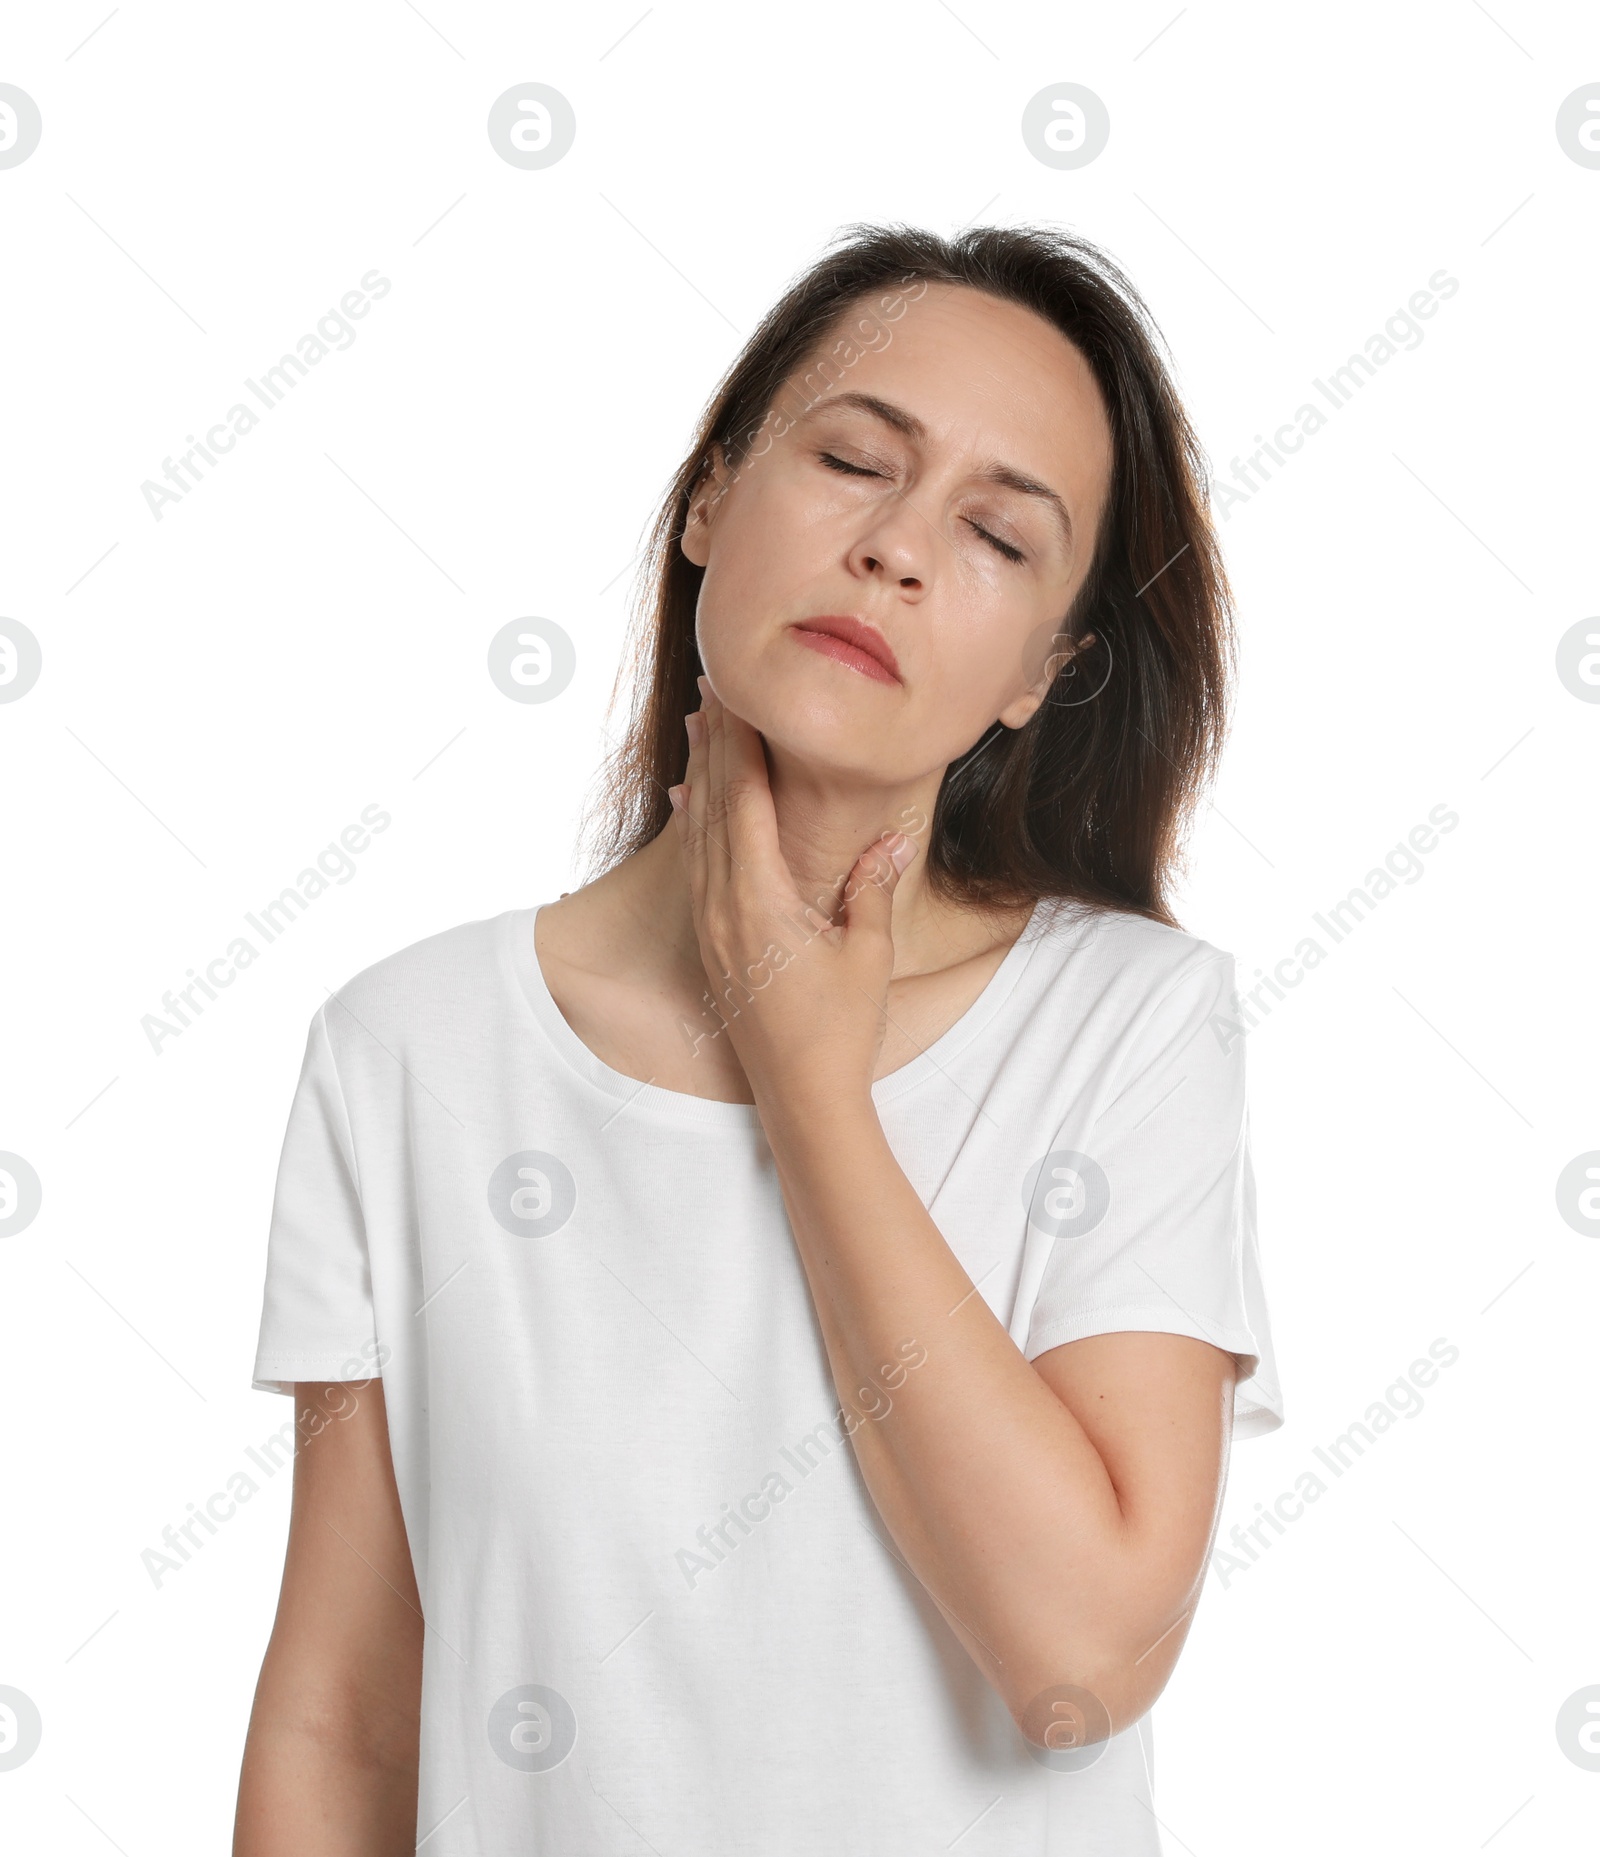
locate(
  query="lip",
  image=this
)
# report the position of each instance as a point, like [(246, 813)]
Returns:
[(852, 642)]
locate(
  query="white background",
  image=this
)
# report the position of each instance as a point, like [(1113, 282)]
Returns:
[(304, 634)]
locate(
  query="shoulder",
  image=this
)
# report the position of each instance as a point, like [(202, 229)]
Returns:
[(1132, 990), (1141, 958), (427, 981)]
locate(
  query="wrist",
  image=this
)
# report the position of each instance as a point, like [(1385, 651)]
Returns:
[(805, 1109)]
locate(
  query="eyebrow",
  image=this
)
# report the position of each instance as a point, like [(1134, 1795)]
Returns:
[(911, 427)]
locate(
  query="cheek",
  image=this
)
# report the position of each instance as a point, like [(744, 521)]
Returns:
[(957, 702), (734, 622), (719, 638), (759, 570), (980, 663)]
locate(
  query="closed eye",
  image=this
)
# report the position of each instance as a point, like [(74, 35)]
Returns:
[(856, 470), (1005, 548), (838, 464)]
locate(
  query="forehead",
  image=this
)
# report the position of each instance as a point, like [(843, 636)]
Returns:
[(987, 378)]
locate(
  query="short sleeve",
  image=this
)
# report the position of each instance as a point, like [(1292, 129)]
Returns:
[(317, 1311), (1149, 1211)]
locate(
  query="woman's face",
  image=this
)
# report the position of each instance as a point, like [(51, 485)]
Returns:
[(881, 505)]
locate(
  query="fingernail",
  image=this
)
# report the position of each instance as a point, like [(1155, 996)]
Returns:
[(675, 794), (695, 724), (704, 687), (901, 851)]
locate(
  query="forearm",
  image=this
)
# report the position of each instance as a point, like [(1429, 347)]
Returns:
[(306, 1792), (993, 1492)]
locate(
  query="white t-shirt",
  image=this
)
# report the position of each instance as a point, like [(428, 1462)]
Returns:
[(663, 1612)]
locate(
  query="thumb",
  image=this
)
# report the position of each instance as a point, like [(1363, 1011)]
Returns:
[(869, 894)]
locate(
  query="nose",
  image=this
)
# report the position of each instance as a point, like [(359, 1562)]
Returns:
[(872, 564), (897, 546)]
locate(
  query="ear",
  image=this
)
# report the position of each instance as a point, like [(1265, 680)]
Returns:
[(710, 487), (1061, 652)]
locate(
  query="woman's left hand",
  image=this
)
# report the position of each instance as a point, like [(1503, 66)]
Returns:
[(803, 1000)]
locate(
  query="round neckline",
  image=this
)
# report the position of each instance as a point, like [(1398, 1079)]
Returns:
[(519, 959)]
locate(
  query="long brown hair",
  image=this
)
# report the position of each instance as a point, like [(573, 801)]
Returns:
[(1092, 797)]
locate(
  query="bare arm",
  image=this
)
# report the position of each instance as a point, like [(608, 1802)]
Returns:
[(1059, 1512), (330, 1761)]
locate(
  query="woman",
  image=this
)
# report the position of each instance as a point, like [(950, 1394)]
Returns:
[(812, 1266)]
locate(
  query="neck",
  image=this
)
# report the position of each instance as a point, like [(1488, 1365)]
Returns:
[(824, 825)]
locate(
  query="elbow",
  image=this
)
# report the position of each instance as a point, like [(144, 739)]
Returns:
[(1065, 1725), (1066, 1722), (1080, 1677)]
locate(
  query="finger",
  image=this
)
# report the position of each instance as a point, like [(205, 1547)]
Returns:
[(869, 892), (694, 772), (718, 859), (687, 844), (752, 821), (689, 839), (689, 809)]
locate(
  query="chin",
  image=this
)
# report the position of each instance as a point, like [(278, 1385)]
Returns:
[(832, 742)]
